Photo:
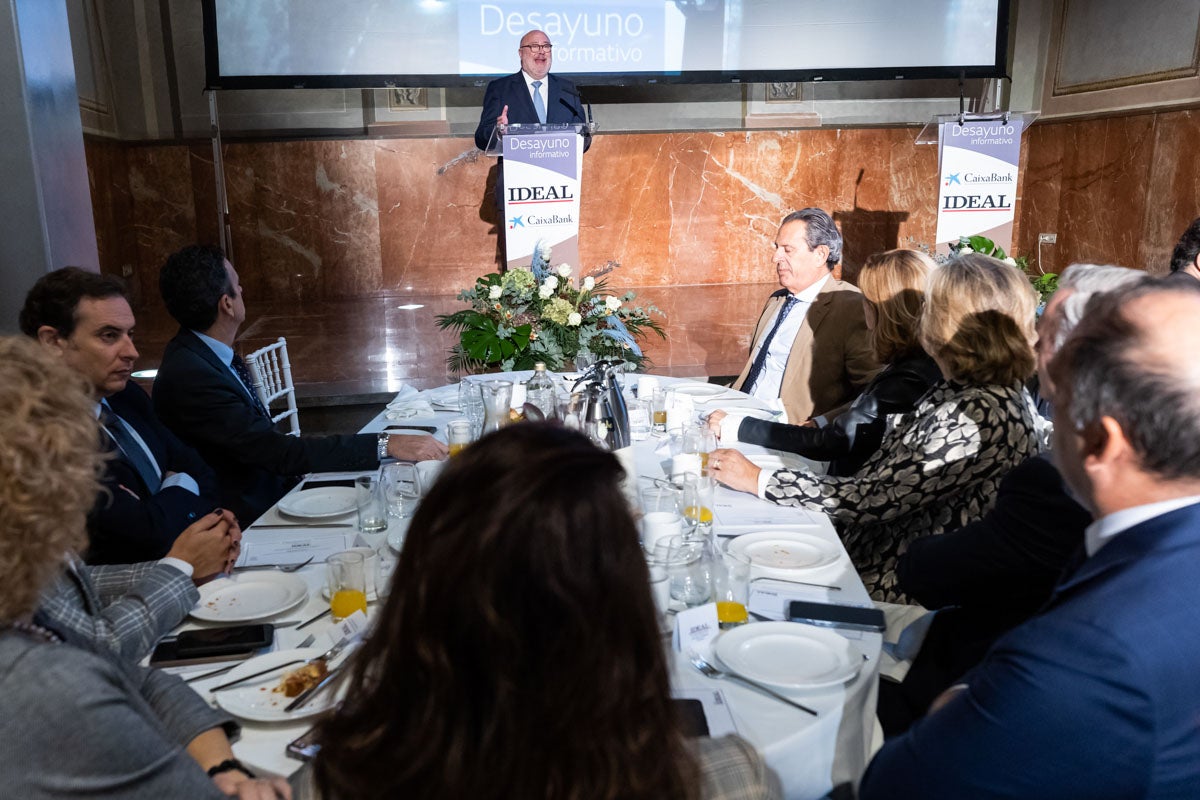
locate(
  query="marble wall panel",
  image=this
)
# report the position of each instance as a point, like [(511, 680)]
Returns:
[(163, 211), (112, 205), (1172, 187)]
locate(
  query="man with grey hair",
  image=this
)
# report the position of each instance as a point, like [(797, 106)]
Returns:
[(988, 577), (812, 349), (1096, 695)]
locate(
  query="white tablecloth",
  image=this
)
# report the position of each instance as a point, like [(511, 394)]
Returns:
[(811, 755)]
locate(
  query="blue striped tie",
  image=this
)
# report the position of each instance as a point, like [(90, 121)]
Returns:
[(538, 105), (761, 359)]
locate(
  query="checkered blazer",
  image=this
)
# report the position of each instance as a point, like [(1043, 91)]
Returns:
[(120, 608), (731, 769)]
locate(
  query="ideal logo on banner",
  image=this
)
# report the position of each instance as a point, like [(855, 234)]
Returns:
[(535, 194)]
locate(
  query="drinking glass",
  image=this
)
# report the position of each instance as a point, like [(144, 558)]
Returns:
[(699, 439), (497, 399), (658, 408), (471, 403), (368, 496), (639, 420), (661, 514), (402, 488), (699, 492), (660, 590), (684, 562), (458, 435), (731, 588), (347, 584)]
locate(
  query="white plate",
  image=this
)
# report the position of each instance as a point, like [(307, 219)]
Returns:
[(444, 397), (782, 553), (255, 700), (397, 528), (249, 596), (699, 390), (789, 655), (328, 501)]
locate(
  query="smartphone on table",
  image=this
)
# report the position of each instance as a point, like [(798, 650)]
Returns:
[(206, 645)]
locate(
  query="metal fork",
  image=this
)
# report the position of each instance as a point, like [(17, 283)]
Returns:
[(280, 567), (712, 672)]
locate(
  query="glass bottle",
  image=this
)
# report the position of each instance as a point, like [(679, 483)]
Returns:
[(539, 391)]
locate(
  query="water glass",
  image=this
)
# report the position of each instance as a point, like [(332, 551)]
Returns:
[(698, 501), (661, 514), (347, 583), (731, 588), (700, 440), (368, 496), (639, 420), (471, 402), (685, 564), (658, 409), (402, 488), (660, 590)]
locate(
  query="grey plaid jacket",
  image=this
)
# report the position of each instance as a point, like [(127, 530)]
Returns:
[(120, 608)]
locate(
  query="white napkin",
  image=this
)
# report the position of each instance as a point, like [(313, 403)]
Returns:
[(408, 403)]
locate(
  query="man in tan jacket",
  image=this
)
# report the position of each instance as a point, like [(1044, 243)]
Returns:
[(812, 349)]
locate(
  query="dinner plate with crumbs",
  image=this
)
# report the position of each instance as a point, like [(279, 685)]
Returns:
[(322, 503), (263, 699), (788, 655), (249, 596), (784, 553)]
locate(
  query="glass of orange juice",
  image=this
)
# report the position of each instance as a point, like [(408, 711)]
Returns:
[(347, 584), (458, 435), (731, 588), (699, 492)]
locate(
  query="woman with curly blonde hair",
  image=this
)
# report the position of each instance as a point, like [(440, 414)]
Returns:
[(939, 467), (893, 288), (73, 722)]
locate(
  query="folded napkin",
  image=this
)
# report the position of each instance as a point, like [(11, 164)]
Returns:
[(443, 397), (408, 403)]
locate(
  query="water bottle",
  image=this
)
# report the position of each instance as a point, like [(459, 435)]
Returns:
[(539, 390)]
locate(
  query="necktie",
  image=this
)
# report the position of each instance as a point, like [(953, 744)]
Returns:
[(114, 426), (538, 105), (757, 367), (239, 367)]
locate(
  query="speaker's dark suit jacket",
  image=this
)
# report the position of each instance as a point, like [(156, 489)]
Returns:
[(562, 105), (1094, 697), (199, 399), (130, 523)]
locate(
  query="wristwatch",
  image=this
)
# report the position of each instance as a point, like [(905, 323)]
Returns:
[(229, 765), (382, 449)]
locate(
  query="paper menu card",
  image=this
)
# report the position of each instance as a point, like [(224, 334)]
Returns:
[(284, 546)]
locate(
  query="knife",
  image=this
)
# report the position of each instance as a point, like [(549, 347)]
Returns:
[(276, 527), (308, 694)]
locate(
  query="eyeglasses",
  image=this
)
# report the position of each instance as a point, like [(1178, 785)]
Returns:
[(538, 48)]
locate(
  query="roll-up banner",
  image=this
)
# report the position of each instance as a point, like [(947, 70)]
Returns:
[(978, 190), (541, 195)]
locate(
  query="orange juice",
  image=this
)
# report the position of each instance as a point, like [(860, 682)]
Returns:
[(456, 448), (346, 601), (660, 418), (731, 613), (703, 514), (704, 463)]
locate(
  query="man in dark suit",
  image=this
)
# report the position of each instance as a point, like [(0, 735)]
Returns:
[(203, 393), (990, 576), (155, 486), (529, 96), (811, 346), (1096, 695)]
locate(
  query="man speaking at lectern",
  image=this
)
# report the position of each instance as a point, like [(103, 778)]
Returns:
[(529, 96)]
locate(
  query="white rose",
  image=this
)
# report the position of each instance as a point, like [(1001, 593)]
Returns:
[(545, 292), (612, 303), (1012, 262), (574, 319), (965, 251), (589, 283), (495, 292), (564, 270), (550, 283), (543, 251)]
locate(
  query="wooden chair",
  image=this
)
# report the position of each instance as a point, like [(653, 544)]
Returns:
[(271, 373)]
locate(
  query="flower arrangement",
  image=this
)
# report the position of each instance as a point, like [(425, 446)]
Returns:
[(520, 317), (984, 245)]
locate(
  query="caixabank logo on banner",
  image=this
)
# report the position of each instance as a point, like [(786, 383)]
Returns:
[(534, 220)]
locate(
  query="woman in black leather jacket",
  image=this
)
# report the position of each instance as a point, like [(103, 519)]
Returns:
[(893, 287)]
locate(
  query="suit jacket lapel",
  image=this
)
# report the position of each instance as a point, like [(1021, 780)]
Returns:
[(521, 89), (192, 342)]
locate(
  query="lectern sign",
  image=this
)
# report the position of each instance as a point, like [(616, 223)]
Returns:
[(541, 194), (978, 188)]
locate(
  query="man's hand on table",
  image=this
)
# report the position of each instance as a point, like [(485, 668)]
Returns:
[(422, 447), (236, 784), (734, 470), (209, 544)]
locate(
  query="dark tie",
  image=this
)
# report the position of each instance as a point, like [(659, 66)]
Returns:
[(538, 105), (239, 367), (114, 426), (761, 359)]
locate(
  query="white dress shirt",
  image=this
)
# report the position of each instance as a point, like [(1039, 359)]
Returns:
[(180, 479), (224, 354), (1105, 529), (542, 90), (771, 378)]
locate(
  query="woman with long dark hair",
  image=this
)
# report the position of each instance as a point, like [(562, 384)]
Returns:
[(518, 654), (893, 287)]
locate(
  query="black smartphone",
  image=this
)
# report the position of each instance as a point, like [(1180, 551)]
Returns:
[(303, 748), (855, 618), (212, 644), (327, 483), (695, 724)]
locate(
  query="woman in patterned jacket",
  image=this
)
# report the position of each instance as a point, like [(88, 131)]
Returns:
[(938, 468)]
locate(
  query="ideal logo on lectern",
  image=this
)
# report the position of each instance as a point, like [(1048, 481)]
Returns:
[(976, 202), (530, 194)]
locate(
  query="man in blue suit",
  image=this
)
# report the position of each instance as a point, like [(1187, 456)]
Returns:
[(1095, 696), (529, 96), (155, 486)]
